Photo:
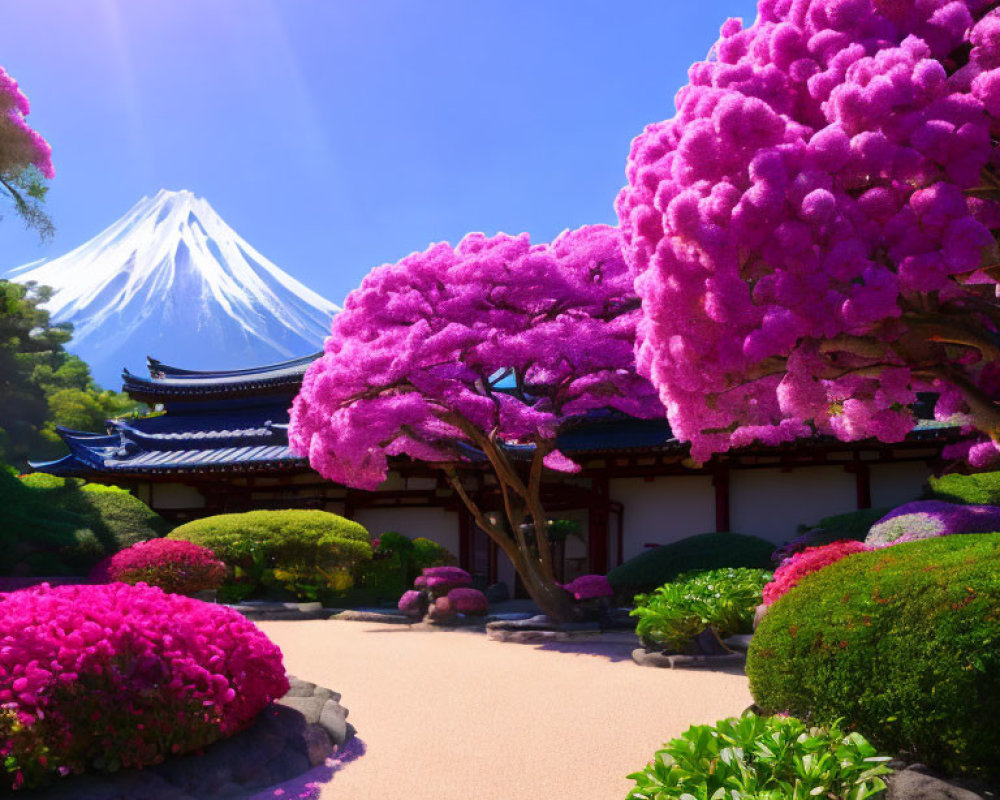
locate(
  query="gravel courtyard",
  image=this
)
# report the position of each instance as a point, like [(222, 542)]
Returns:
[(449, 715)]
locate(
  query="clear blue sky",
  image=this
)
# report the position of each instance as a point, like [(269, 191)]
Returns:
[(336, 136)]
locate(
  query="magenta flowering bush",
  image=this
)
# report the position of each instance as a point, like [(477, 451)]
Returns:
[(814, 234), (441, 580), (20, 145), (805, 562), (173, 565), (589, 587), (108, 676), (413, 603), (466, 600), (924, 519)]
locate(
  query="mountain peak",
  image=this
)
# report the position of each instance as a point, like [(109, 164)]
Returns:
[(172, 279)]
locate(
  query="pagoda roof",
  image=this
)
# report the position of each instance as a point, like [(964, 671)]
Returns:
[(167, 383)]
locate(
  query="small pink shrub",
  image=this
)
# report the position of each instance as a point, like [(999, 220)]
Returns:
[(411, 603), (441, 610), (810, 560), (124, 674), (589, 587), (468, 601), (173, 565), (441, 580)]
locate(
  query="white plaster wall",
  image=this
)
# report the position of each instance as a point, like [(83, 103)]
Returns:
[(895, 484), (772, 504), (175, 495), (663, 510), (435, 524)]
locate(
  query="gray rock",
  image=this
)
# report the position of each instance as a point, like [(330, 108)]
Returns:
[(374, 616), (497, 593), (647, 658), (308, 707), (334, 721), (299, 688), (528, 636), (915, 783), (741, 642)]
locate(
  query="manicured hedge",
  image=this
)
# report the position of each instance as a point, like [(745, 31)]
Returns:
[(981, 489), (307, 552), (660, 565), (903, 643), (62, 526)]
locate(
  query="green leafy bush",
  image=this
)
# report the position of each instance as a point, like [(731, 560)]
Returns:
[(306, 552), (396, 562), (63, 526), (981, 489), (903, 643), (721, 600), (659, 565), (762, 758)]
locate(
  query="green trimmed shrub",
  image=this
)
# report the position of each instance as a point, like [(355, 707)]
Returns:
[(981, 489), (852, 525), (306, 552), (660, 565), (763, 758), (903, 643), (720, 600), (63, 526), (429, 554)]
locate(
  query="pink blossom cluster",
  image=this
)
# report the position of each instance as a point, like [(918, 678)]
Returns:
[(812, 559), (20, 145), (413, 361), (465, 600), (813, 234), (173, 565), (443, 593), (127, 672), (589, 587), (441, 580), (925, 519)]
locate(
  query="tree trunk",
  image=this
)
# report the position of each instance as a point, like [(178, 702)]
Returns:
[(552, 599)]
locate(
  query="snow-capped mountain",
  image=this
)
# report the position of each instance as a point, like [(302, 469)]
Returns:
[(171, 279)]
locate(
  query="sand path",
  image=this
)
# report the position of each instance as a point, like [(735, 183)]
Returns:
[(450, 715)]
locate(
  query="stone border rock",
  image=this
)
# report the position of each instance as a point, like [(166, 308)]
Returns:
[(259, 611), (916, 782), (539, 629), (393, 618), (647, 658), (289, 737)]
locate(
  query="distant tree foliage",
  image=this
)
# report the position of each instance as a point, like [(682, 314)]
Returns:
[(41, 385)]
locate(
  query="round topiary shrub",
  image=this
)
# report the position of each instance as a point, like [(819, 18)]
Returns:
[(660, 565), (173, 565), (306, 552), (903, 643), (441, 580), (852, 525), (925, 519), (589, 587), (109, 676), (430, 554)]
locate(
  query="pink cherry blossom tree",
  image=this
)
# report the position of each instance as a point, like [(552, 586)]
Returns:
[(814, 233), (25, 157), (477, 354)]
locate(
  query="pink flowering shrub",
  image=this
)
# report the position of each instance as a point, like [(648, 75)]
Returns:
[(173, 565), (412, 603), (441, 580), (441, 610), (814, 234), (925, 519), (466, 600), (805, 562), (589, 587), (108, 676)]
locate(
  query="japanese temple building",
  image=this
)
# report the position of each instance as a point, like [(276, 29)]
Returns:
[(221, 445)]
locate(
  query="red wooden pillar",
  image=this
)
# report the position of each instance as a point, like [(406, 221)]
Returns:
[(720, 480), (598, 514)]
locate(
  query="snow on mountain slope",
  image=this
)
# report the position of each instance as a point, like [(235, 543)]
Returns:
[(171, 279)]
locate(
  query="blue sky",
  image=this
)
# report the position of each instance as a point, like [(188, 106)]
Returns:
[(336, 136)]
